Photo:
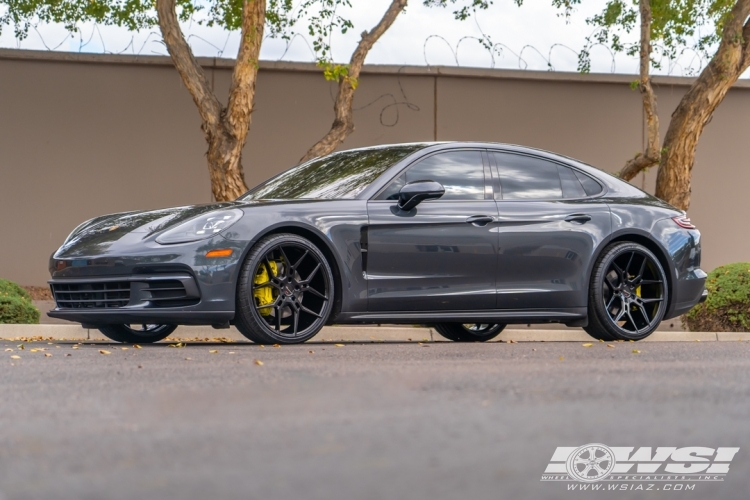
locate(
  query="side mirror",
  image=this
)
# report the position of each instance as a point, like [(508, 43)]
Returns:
[(414, 193)]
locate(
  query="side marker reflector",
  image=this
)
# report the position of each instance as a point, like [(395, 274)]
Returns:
[(224, 252)]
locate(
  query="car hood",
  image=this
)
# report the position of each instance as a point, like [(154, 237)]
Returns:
[(98, 235)]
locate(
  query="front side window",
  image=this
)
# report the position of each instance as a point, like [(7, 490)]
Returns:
[(527, 178), (341, 175), (460, 172)]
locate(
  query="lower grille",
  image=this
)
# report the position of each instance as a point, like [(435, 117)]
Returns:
[(169, 293), (132, 291), (101, 295)]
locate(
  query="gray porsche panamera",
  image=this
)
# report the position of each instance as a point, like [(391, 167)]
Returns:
[(468, 237)]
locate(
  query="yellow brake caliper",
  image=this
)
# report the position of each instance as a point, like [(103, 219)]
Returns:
[(264, 295)]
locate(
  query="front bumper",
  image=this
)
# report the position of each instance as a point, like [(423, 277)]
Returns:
[(148, 283)]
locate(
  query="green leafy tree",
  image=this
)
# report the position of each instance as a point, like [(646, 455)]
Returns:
[(718, 30)]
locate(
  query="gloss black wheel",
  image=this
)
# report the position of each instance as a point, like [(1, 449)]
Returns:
[(137, 334), (469, 332), (285, 294), (628, 293)]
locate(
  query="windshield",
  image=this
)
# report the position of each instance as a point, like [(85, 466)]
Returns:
[(340, 175)]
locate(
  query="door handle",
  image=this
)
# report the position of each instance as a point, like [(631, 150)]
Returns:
[(479, 220), (578, 218)]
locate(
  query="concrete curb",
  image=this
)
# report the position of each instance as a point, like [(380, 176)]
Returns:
[(356, 334)]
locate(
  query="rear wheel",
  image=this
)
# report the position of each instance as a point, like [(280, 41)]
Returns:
[(285, 292), (469, 332), (628, 293), (137, 334)]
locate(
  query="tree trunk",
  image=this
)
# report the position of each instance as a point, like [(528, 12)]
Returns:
[(225, 127), (698, 105), (650, 156), (343, 123)]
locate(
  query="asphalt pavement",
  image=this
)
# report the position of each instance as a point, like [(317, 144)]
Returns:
[(394, 420)]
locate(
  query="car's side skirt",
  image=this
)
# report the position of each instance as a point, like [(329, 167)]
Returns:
[(517, 316)]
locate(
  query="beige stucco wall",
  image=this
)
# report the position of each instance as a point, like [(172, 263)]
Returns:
[(83, 135)]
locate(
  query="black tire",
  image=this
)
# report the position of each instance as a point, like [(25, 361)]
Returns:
[(628, 293), (285, 292), (469, 332), (147, 334)]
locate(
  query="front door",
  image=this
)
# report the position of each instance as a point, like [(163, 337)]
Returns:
[(549, 225), (441, 255)]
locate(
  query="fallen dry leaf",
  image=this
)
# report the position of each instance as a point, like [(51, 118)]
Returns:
[(610, 345), (188, 359), (587, 344), (261, 346), (311, 352), (124, 348), (68, 354), (33, 350), (600, 340), (276, 345), (47, 355), (15, 357), (102, 351), (214, 351), (178, 344), (562, 358), (9, 350), (339, 345), (136, 346), (75, 347), (20, 346), (258, 362), (636, 351)]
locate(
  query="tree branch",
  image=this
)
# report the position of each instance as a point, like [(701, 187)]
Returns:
[(651, 155), (343, 123), (245, 74), (190, 71)]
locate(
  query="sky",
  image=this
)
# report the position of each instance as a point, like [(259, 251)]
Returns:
[(533, 37)]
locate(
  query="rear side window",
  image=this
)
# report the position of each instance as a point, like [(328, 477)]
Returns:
[(589, 185), (571, 186), (527, 178), (460, 172)]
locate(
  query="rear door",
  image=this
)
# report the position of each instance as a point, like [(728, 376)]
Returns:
[(549, 224), (442, 255)]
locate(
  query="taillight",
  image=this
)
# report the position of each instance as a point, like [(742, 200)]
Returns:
[(684, 221)]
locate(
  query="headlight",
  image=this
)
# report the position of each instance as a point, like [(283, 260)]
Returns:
[(201, 227)]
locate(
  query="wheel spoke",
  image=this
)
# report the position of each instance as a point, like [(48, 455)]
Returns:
[(627, 268), (619, 272), (295, 312), (312, 274), (643, 313), (609, 283), (286, 260), (309, 289), (269, 267), (639, 278), (632, 321), (609, 304), (295, 266), (622, 311), (309, 311), (278, 318), (650, 282), (648, 301)]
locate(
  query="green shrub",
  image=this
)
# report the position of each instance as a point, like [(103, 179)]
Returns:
[(14, 309), (727, 308), (8, 288)]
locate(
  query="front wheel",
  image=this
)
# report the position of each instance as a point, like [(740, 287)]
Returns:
[(285, 292), (628, 293), (469, 332), (137, 334)]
